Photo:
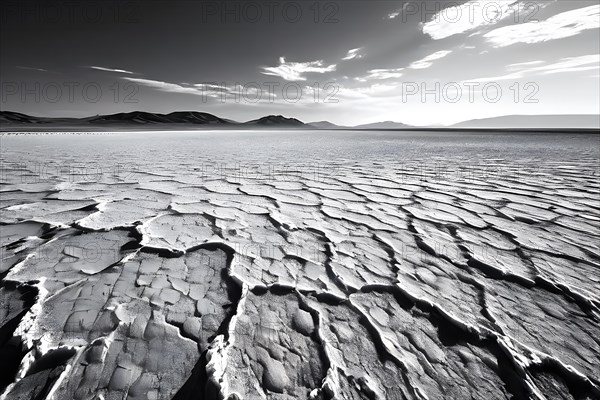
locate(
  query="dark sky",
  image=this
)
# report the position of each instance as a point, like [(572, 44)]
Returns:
[(416, 62)]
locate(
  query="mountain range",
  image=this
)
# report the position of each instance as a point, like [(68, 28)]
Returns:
[(375, 125), (137, 118), (12, 120), (193, 119), (535, 121)]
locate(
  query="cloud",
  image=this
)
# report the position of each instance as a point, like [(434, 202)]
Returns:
[(518, 66), (570, 64), (474, 14), (468, 16), (383, 73), (248, 94), (207, 89), (563, 25), (428, 61), (223, 91), (395, 14), (120, 71), (353, 54), (32, 69), (165, 86), (294, 71)]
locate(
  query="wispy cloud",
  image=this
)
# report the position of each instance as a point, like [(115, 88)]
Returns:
[(428, 61), (572, 64), (221, 90), (518, 66), (294, 71), (475, 14), (589, 62), (395, 73), (208, 89), (32, 69), (120, 71), (563, 25), (354, 53), (165, 86), (382, 73), (395, 14)]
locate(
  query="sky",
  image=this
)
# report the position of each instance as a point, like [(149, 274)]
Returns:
[(348, 62)]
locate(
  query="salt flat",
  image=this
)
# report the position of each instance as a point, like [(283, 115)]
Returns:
[(300, 264)]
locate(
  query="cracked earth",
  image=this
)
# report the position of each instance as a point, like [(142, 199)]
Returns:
[(256, 266)]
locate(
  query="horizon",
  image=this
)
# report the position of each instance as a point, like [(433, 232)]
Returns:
[(597, 126), (406, 64)]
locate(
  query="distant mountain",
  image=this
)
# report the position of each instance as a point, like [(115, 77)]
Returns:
[(139, 117), (382, 125), (276, 120), (325, 125), (193, 119), (375, 125), (534, 121), (135, 117), (12, 120), (9, 117)]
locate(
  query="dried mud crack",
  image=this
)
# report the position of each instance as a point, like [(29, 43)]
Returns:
[(373, 282)]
